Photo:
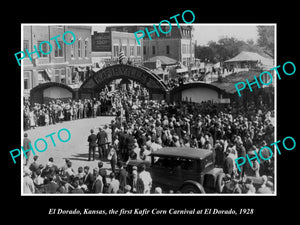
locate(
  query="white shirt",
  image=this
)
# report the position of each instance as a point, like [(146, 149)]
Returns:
[(28, 186), (147, 181)]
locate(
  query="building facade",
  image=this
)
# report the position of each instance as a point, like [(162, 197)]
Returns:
[(64, 61), (112, 42), (178, 44)]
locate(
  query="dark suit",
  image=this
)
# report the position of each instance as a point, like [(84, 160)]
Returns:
[(123, 178), (101, 141), (77, 191), (97, 186), (88, 180), (228, 165), (51, 187), (241, 153), (92, 145)]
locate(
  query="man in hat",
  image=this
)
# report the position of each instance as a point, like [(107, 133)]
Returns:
[(103, 173), (51, 187), (228, 163), (28, 185), (146, 178), (97, 186), (77, 189), (26, 146), (34, 166), (241, 151), (254, 169), (102, 141), (88, 178), (127, 189), (92, 144), (264, 188), (122, 176), (114, 184)]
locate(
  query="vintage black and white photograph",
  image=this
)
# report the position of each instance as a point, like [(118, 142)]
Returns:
[(148, 109)]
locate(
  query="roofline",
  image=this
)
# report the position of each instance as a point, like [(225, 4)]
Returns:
[(183, 154), (195, 85)]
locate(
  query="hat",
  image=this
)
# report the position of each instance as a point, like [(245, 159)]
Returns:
[(100, 164), (264, 178), (158, 190), (26, 171), (67, 160), (35, 157), (127, 187), (41, 166)]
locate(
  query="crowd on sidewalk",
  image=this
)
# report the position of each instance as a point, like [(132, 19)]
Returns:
[(142, 126)]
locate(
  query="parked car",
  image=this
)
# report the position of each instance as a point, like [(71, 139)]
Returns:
[(183, 169)]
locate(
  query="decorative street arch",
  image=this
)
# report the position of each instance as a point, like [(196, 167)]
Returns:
[(46, 92), (157, 88), (197, 92)]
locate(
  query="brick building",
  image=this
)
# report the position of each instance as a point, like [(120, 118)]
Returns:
[(61, 65), (111, 42), (177, 44)]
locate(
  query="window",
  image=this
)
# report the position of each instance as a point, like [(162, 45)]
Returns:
[(183, 49), (25, 46), (41, 77), (144, 50), (168, 49), (59, 52), (138, 50), (72, 51), (57, 75), (175, 164), (131, 50), (26, 80), (79, 48), (86, 48), (124, 49), (44, 49), (116, 51), (26, 83), (153, 50)]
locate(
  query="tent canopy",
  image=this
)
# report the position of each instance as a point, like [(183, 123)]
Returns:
[(251, 56), (164, 60)]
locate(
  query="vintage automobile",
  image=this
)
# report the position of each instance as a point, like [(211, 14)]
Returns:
[(183, 169)]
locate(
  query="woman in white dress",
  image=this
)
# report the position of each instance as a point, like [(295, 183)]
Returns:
[(32, 119)]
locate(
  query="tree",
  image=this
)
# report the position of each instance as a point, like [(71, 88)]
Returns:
[(224, 49), (266, 39)]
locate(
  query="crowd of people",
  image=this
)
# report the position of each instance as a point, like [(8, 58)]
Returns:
[(59, 110), (142, 126), (51, 179)]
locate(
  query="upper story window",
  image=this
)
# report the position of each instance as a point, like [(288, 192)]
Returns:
[(79, 48), (58, 52), (86, 49)]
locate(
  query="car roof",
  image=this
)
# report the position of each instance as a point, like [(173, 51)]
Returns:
[(184, 152)]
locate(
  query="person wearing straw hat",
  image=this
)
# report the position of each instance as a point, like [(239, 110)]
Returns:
[(28, 185)]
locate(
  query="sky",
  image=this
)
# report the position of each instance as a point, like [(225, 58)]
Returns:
[(204, 33)]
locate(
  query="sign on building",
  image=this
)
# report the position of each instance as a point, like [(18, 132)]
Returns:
[(101, 42)]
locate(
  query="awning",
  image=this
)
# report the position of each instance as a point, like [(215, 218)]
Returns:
[(95, 69), (183, 69), (47, 74)]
